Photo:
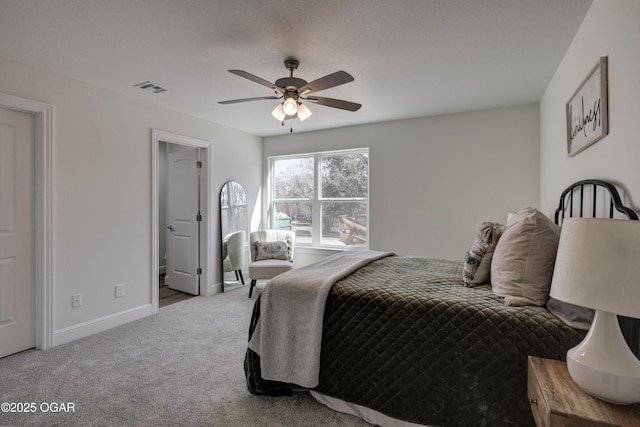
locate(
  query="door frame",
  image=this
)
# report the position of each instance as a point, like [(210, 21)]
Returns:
[(43, 209), (206, 241)]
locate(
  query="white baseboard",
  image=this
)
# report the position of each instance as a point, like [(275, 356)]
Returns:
[(212, 289), (98, 325)]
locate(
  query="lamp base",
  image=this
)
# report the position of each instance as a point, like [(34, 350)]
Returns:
[(603, 365)]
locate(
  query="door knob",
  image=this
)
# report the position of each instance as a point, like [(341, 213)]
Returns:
[(170, 227)]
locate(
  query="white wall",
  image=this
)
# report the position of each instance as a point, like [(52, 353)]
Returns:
[(434, 180), (610, 28), (102, 190)]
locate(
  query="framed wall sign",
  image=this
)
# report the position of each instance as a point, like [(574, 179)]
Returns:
[(587, 110)]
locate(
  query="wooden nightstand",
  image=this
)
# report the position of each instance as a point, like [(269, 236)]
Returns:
[(557, 401)]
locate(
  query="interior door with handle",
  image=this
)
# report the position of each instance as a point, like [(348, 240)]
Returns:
[(17, 278), (183, 219)]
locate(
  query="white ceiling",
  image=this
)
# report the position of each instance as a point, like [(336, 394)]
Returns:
[(410, 58)]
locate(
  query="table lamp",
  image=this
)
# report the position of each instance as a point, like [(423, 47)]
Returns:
[(597, 266)]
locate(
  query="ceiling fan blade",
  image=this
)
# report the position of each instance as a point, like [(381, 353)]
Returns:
[(336, 79), (335, 103), (257, 79), (259, 98)]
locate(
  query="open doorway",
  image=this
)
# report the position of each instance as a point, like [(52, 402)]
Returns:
[(181, 243)]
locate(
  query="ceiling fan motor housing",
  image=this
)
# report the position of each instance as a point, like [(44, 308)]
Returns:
[(290, 84)]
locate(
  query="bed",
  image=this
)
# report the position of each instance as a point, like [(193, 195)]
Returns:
[(409, 340)]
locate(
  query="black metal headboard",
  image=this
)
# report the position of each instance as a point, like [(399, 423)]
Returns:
[(578, 190), (590, 203)]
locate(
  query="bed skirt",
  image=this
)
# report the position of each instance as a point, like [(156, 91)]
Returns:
[(369, 415)]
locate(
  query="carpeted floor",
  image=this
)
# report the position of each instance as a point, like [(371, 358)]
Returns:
[(182, 367)]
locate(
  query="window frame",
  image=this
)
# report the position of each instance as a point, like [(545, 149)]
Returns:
[(317, 199)]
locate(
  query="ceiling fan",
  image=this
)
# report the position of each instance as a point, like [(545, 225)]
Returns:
[(292, 90)]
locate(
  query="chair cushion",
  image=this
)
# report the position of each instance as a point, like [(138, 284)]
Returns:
[(268, 268)]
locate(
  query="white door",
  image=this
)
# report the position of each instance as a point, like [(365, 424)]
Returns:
[(183, 241), (17, 281)]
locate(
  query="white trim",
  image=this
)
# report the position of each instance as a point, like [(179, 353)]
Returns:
[(94, 326), (44, 255), (215, 288), (158, 136)]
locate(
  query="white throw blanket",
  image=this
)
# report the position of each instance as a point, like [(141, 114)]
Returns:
[(289, 332)]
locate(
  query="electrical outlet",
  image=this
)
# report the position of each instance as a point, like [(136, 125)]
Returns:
[(119, 290), (76, 300)]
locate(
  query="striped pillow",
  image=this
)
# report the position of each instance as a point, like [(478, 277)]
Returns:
[(477, 262)]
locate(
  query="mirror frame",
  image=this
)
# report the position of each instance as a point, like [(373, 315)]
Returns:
[(233, 217)]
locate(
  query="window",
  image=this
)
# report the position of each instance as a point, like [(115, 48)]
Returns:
[(323, 197)]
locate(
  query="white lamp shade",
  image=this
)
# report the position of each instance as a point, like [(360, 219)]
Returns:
[(596, 265), (279, 113), (303, 112)]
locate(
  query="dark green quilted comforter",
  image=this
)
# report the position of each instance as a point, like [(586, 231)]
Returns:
[(403, 336)]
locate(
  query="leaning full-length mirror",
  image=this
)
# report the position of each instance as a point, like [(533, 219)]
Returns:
[(234, 231)]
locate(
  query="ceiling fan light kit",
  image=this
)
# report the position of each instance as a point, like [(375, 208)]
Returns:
[(293, 90)]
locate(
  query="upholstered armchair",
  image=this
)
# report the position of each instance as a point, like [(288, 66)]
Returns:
[(271, 254), (233, 253)]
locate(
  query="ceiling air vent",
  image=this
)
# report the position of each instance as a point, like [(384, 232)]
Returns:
[(150, 86)]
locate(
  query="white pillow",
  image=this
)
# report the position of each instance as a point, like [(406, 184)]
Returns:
[(524, 258), (272, 250)]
